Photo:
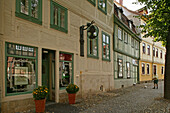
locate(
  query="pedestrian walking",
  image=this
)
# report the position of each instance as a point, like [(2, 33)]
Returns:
[(155, 80)]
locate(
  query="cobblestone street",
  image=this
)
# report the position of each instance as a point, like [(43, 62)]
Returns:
[(135, 99)]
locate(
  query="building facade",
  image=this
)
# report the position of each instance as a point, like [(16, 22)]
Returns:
[(152, 54), (40, 45), (126, 53)]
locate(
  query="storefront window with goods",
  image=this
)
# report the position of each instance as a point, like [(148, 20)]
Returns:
[(65, 69), (20, 68)]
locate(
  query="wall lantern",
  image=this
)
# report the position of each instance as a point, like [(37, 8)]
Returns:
[(92, 32)]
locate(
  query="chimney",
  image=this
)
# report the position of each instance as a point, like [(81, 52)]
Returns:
[(121, 2)]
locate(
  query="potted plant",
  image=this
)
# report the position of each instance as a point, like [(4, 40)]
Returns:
[(39, 95), (72, 89)]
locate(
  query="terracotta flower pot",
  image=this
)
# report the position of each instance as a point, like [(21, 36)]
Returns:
[(71, 98), (40, 105)]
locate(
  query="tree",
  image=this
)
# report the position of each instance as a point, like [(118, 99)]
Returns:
[(158, 26)]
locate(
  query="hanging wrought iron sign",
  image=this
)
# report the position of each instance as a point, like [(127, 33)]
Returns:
[(92, 32)]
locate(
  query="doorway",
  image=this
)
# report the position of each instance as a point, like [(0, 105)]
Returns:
[(48, 72)]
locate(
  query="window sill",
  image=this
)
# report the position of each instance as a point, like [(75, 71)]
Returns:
[(19, 93), (106, 59), (93, 3), (59, 28), (102, 10), (29, 18), (91, 56)]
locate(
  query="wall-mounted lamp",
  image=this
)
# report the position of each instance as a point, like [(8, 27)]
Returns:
[(92, 34)]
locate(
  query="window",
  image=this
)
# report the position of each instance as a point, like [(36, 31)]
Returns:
[(132, 42), (154, 69), (30, 10), (92, 47), (58, 19), (137, 45), (160, 53), (130, 24), (119, 34), (128, 69), (105, 46), (143, 48), (120, 68), (147, 66), (119, 14), (92, 2), (143, 68), (148, 47), (65, 69), (125, 37), (102, 5), (21, 65), (162, 70), (156, 52), (153, 51)]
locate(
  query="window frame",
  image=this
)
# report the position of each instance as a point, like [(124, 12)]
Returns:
[(88, 48), (128, 77), (72, 80), (162, 70), (119, 68), (143, 48), (106, 35), (119, 29), (104, 11), (58, 27), (161, 52), (143, 68), (154, 70), (157, 52), (132, 42), (148, 69), (20, 56), (93, 3), (148, 48), (126, 38), (154, 51), (29, 17)]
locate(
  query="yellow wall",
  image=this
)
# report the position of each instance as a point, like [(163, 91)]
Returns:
[(148, 77)]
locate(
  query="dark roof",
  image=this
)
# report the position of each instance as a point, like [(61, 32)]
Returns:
[(124, 19)]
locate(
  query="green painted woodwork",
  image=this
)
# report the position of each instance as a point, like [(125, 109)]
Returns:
[(103, 10), (29, 17), (93, 2), (88, 47), (103, 33), (58, 26), (36, 67), (72, 78)]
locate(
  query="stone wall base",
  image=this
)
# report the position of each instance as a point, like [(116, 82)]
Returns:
[(17, 106)]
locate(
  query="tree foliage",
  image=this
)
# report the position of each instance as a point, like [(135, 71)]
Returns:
[(158, 20)]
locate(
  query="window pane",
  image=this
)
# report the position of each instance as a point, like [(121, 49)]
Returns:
[(34, 8), (55, 18), (24, 6), (20, 74), (102, 4), (62, 20), (104, 50), (128, 69), (120, 68), (119, 34), (95, 47), (65, 73)]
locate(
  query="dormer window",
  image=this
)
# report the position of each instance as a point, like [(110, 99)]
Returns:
[(130, 24), (119, 14)]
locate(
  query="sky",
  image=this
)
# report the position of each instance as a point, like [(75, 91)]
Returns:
[(129, 5)]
